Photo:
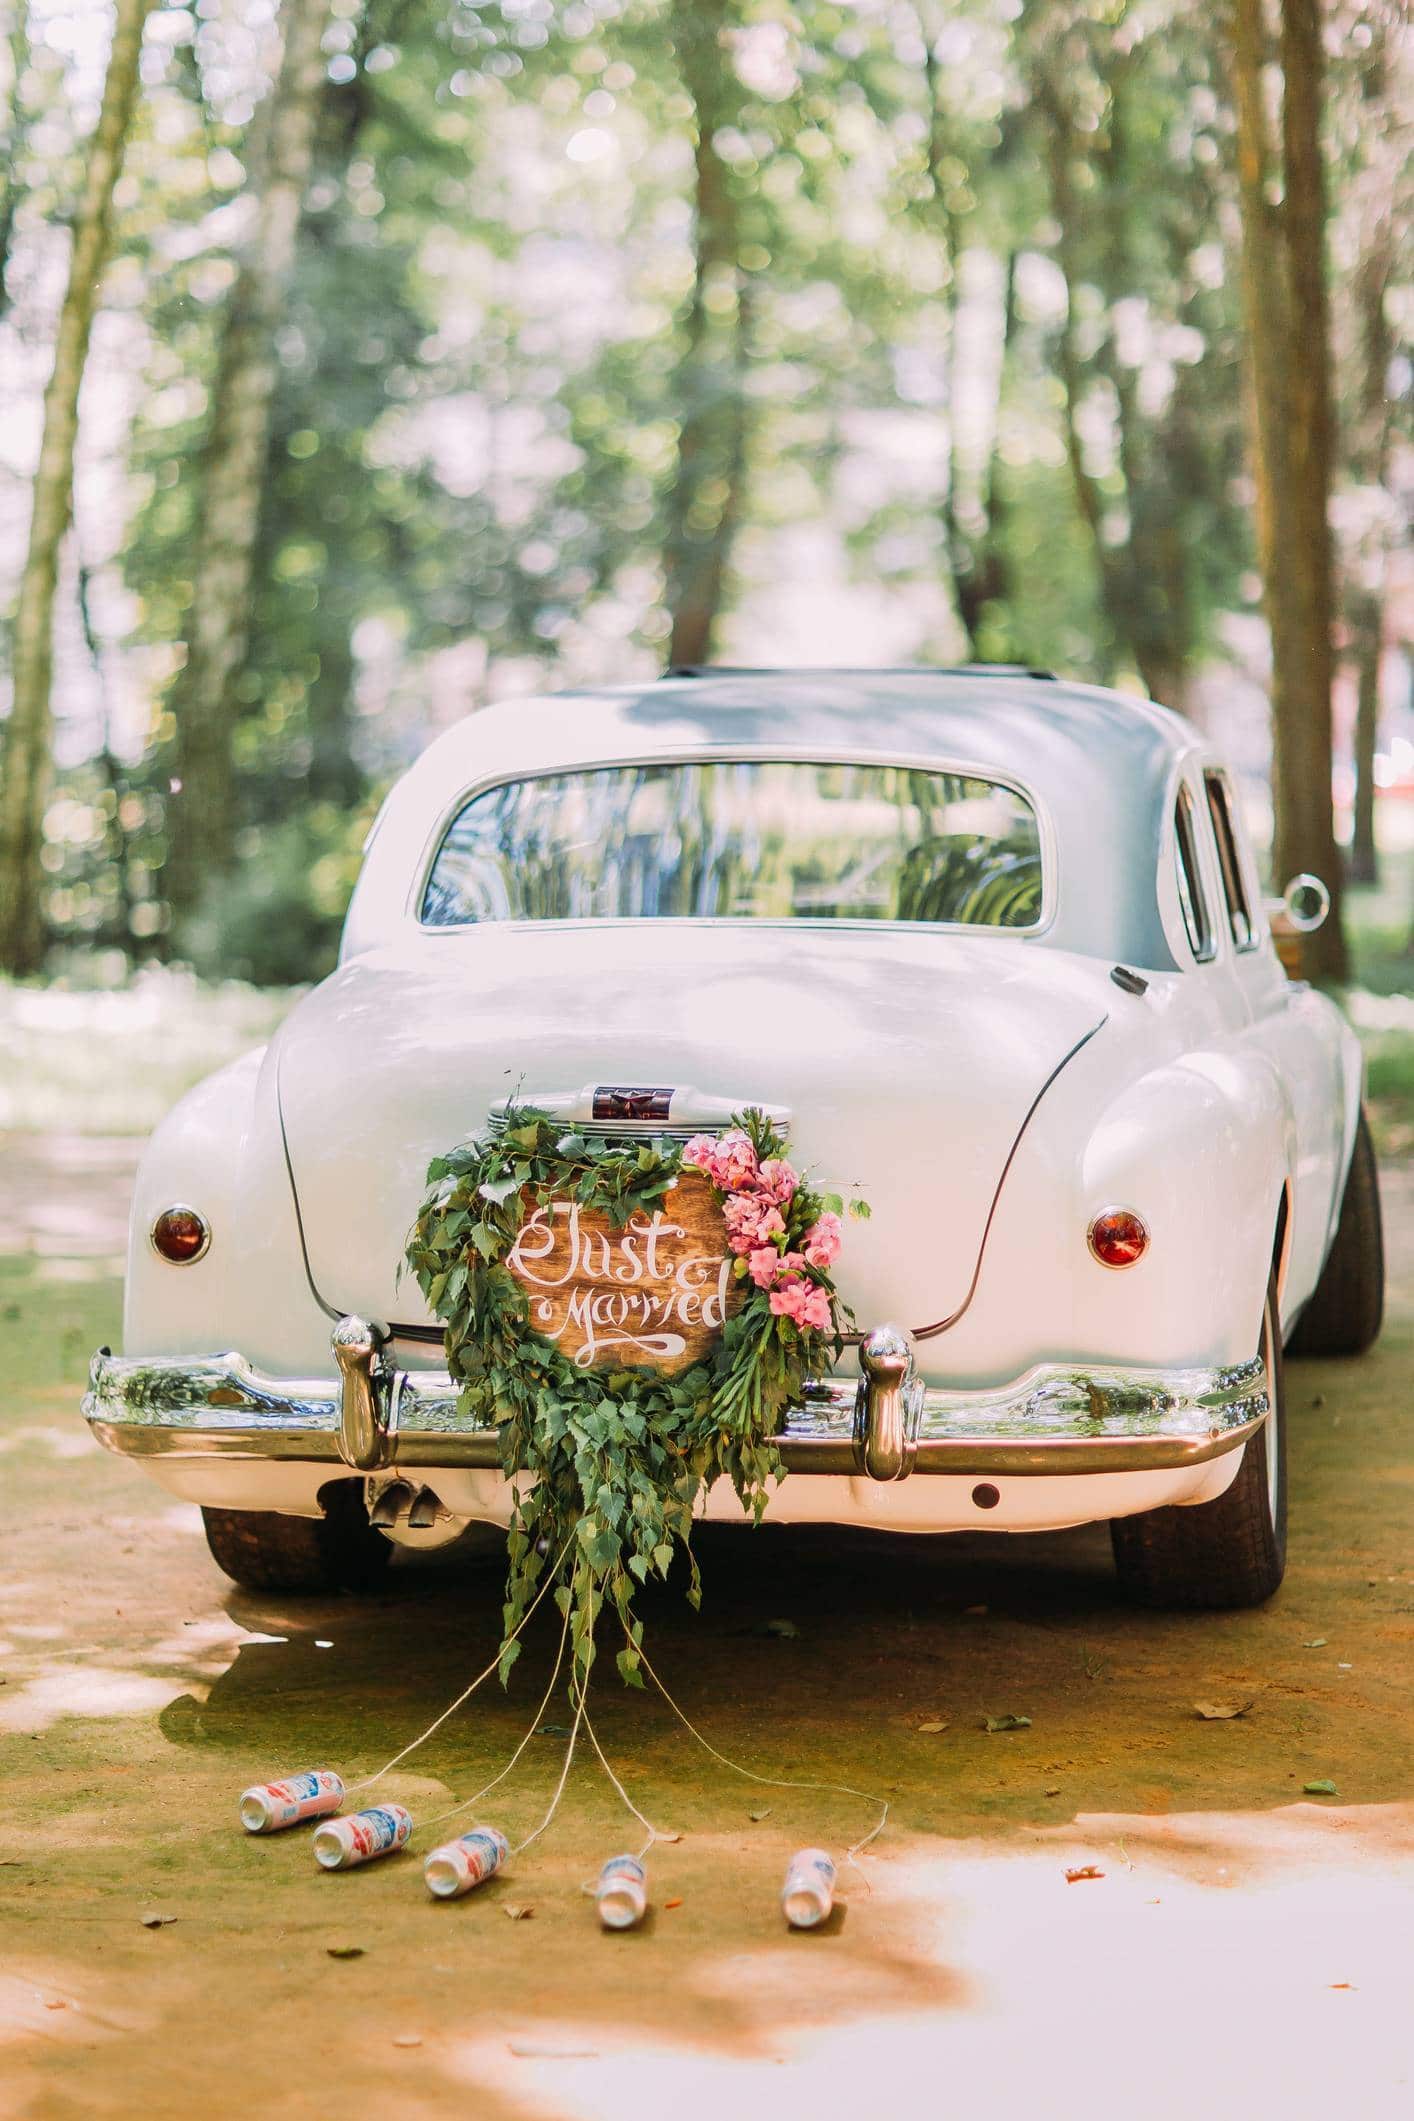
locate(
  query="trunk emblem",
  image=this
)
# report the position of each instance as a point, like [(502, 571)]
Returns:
[(617, 1101)]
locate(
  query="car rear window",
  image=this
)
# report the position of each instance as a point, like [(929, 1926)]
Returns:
[(742, 839)]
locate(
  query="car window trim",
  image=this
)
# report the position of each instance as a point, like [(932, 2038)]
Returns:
[(751, 754), (1189, 866), (1218, 794)]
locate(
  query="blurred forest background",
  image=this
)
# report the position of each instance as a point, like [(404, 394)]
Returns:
[(364, 361)]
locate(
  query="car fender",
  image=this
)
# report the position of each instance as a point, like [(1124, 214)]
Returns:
[(1198, 1145), (219, 1150)]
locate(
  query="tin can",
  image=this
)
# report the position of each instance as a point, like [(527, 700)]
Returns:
[(269, 1806), (622, 1893), (341, 1843), (809, 1891), (469, 1861)]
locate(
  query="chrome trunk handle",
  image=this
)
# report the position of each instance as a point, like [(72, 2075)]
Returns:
[(647, 1108)]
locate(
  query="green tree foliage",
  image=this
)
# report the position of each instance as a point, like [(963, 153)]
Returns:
[(627, 329)]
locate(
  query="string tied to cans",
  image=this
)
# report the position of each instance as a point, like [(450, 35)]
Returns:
[(342, 1841)]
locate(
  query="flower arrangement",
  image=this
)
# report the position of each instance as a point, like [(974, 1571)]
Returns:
[(618, 1458), (767, 1216)]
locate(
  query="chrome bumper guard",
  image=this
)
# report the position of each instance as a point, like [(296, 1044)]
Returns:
[(1052, 1420)]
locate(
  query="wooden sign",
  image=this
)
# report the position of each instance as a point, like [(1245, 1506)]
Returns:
[(656, 1292)]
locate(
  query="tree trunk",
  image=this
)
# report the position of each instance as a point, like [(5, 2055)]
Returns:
[(1305, 832), (12, 147), (977, 554), (1365, 615), (1289, 383), (110, 772), (1365, 594), (1143, 584), (1065, 206), (704, 505), (25, 779), (201, 812)]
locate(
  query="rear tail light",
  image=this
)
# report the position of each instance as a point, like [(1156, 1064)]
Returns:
[(180, 1235), (1118, 1238)]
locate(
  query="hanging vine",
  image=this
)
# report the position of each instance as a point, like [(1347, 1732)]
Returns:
[(608, 1463)]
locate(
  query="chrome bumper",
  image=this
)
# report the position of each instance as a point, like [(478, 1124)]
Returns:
[(889, 1424)]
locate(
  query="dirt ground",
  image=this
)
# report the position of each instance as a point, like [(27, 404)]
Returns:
[(1247, 1950)]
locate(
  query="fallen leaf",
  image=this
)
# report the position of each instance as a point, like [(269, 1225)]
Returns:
[(1317, 1642), (1320, 1789), (55, 2003), (1052, 1790), (407, 2039), (970, 1610), (552, 1730), (928, 1730), (344, 1951), (786, 1629), (516, 1911), (759, 1816), (1008, 1723), (1086, 1870), (674, 1903), (151, 1920), (547, 2051), (660, 1836), (1221, 1711)]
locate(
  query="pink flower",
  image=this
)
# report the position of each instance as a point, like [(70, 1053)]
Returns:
[(822, 1241), (777, 1178), (732, 1163), (751, 1221), (764, 1265), (700, 1151), (804, 1302), (816, 1310)]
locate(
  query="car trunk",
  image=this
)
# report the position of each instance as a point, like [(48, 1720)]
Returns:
[(907, 1061)]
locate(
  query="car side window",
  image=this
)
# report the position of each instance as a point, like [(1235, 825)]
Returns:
[(1191, 896), (1239, 912)]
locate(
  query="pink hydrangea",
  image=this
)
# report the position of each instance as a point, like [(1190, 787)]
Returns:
[(700, 1151), (816, 1310), (764, 1265), (751, 1222), (822, 1241), (732, 1162), (803, 1301), (777, 1178)]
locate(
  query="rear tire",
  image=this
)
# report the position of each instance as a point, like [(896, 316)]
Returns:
[(1231, 1551), (1347, 1309), (264, 1551)]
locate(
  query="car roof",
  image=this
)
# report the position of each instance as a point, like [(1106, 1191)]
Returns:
[(1099, 763), (995, 716)]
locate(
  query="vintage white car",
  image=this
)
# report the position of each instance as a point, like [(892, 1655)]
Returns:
[(990, 948)]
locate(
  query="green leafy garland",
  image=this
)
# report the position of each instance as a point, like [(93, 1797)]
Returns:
[(618, 1458)]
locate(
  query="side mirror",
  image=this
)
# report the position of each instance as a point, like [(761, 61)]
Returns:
[(1307, 903)]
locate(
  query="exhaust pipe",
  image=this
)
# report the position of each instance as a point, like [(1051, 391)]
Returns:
[(400, 1503)]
